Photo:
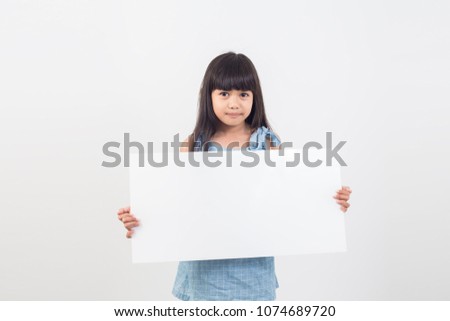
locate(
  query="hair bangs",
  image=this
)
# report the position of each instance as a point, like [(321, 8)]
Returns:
[(234, 74)]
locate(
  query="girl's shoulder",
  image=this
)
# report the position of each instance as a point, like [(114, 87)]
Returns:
[(185, 146), (260, 135)]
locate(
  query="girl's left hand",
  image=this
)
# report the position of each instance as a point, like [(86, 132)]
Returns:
[(342, 196)]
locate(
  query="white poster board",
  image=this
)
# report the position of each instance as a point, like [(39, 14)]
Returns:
[(197, 213)]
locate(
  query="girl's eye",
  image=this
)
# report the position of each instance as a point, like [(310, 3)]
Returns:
[(223, 93), (245, 95)]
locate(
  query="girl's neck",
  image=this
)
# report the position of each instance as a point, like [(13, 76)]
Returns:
[(225, 130)]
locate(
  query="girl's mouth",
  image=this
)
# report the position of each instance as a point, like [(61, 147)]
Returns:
[(233, 115)]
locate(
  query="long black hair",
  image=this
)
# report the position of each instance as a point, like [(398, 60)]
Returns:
[(227, 72)]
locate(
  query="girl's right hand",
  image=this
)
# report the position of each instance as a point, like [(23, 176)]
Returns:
[(128, 220)]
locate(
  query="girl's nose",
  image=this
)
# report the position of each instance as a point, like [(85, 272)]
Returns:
[(233, 102)]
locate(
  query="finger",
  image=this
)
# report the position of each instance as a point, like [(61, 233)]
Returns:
[(123, 210), (343, 197), (343, 203), (343, 209), (347, 188), (123, 216), (342, 192), (130, 233), (131, 225), (128, 218)]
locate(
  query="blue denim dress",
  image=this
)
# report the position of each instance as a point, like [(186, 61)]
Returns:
[(251, 279)]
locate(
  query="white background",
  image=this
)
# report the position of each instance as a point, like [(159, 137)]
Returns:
[(77, 74)]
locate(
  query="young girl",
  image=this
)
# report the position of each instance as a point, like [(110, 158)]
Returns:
[(231, 110)]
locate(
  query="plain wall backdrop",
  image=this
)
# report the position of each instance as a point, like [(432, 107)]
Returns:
[(77, 74)]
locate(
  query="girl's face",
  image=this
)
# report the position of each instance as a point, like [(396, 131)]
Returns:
[(232, 107)]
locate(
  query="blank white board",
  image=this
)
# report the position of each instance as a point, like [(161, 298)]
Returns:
[(197, 213)]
